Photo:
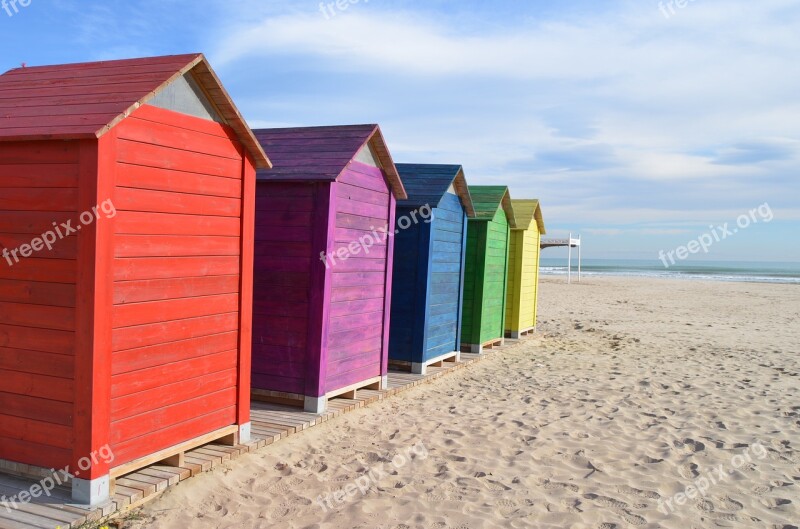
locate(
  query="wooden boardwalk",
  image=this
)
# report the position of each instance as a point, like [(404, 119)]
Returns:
[(271, 423)]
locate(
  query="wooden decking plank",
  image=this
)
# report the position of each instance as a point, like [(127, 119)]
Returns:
[(232, 451), (135, 489), (288, 428), (290, 418), (217, 457), (158, 482), (58, 517), (31, 520), (204, 464), (9, 523), (171, 478)]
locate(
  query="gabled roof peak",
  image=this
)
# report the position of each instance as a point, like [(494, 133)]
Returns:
[(86, 100), (323, 153), (428, 183), (488, 199), (526, 211)]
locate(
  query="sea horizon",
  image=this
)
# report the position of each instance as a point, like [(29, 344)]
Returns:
[(730, 271)]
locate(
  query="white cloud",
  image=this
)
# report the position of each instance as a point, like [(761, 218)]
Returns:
[(632, 96)]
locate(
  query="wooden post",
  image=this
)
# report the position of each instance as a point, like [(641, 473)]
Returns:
[(246, 297), (92, 412), (323, 240), (569, 259)]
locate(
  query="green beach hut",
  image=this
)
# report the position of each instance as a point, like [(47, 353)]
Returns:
[(486, 274)]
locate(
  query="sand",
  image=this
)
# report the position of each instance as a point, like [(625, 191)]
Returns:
[(638, 391)]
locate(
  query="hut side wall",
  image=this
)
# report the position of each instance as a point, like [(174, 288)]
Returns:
[(536, 265), (177, 250), (285, 220), (358, 339), (38, 186), (523, 279), (473, 281), (446, 277), (495, 279), (409, 290)]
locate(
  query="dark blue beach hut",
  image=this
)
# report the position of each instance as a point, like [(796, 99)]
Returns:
[(427, 290)]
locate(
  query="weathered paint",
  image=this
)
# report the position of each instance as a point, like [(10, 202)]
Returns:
[(321, 326), (487, 266), (429, 264), (134, 331), (523, 282)]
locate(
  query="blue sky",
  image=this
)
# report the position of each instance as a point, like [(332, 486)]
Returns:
[(637, 126)]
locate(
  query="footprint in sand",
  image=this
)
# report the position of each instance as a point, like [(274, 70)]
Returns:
[(434, 497), (550, 485), (633, 519), (760, 490), (608, 525), (774, 503), (689, 471), (724, 517), (690, 446), (496, 486), (704, 506), (630, 491), (605, 501), (729, 504)]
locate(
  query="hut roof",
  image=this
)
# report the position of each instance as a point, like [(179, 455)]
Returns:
[(86, 100), (428, 183), (526, 211), (488, 199), (323, 153)]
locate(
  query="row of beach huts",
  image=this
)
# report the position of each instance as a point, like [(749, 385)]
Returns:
[(163, 264)]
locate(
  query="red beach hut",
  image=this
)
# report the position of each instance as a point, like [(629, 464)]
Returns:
[(323, 265), (127, 199)]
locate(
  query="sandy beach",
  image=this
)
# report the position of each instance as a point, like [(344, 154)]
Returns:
[(643, 403)]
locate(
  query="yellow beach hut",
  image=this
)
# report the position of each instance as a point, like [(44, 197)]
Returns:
[(523, 273)]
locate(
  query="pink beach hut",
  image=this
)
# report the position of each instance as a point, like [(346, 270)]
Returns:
[(323, 265)]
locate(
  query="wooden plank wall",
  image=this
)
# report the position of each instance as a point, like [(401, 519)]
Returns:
[(495, 282), (523, 279), (445, 278), (473, 281), (358, 296), (409, 291), (177, 274), (38, 186), (285, 223)]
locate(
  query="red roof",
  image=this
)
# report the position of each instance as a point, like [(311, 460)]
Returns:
[(323, 153), (75, 101)]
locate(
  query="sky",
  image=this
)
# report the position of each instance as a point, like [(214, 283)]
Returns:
[(639, 124)]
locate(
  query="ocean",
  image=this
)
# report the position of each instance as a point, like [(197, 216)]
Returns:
[(752, 272)]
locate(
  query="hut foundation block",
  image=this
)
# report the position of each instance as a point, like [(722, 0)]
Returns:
[(316, 405), (476, 349), (91, 493), (419, 369), (245, 433)]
